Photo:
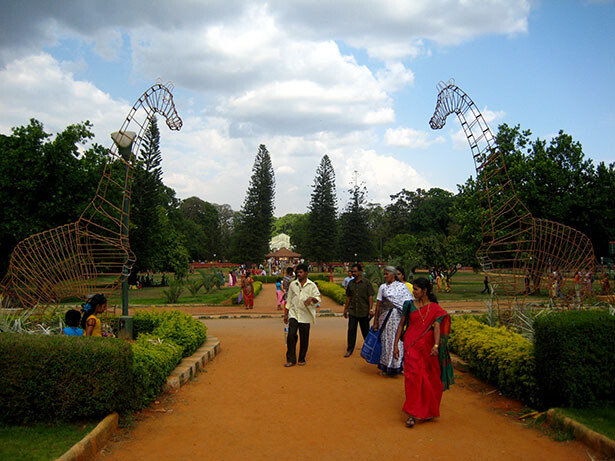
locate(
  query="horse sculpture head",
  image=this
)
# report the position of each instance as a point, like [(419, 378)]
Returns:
[(446, 104), (160, 100)]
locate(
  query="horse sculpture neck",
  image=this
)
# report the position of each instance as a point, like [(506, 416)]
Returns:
[(112, 191), (496, 190)]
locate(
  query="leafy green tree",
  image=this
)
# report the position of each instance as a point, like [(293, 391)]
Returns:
[(466, 215), (299, 237), (555, 181), (44, 182), (356, 243), (250, 241), (226, 217), (406, 248), (284, 225), (378, 226), (322, 227), (205, 216), (421, 212)]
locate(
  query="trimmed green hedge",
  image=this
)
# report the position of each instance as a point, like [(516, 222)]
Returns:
[(575, 357), (182, 329), (154, 360), (258, 286), (333, 291), (46, 378), (497, 355), (266, 278)]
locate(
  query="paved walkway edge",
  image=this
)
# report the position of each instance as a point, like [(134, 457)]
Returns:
[(190, 366), (88, 447), (581, 432)]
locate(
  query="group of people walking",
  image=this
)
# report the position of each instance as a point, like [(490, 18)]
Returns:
[(413, 328), (414, 333)]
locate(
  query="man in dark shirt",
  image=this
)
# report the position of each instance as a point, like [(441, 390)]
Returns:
[(286, 282), (358, 307)]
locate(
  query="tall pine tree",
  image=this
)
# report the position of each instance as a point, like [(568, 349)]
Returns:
[(356, 243), (147, 196), (252, 232), (322, 230)]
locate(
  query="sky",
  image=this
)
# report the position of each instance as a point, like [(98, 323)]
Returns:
[(353, 80)]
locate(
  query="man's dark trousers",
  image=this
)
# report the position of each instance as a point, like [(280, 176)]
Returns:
[(291, 340), (352, 329)]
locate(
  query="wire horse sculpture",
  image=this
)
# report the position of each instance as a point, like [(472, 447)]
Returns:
[(91, 255), (522, 252)]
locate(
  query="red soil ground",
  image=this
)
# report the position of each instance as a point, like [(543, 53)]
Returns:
[(248, 406)]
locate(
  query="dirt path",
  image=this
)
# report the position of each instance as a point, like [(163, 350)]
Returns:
[(248, 406)]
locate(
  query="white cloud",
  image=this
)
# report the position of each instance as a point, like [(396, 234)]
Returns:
[(408, 137), (383, 175), (395, 77), (285, 169), (269, 73), (39, 87)]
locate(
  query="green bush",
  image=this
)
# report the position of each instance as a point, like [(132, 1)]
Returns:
[(497, 355), (52, 378), (258, 286), (154, 360), (333, 291), (163, 338), (45, 378), (316, 277), (575, 358), (182, 329), (266, 278), (146, 321)]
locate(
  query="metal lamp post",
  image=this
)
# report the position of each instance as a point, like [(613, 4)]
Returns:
[(123, 141)]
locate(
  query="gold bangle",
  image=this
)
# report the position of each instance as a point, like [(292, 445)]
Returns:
[(436, 345)]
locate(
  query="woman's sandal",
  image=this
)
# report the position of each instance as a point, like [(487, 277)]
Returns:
[(410, 422)]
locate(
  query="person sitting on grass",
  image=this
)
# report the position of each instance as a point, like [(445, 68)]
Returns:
[(92, 323), (72, 318)]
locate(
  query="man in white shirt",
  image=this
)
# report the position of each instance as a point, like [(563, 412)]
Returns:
[(347, 280), (299, 314)]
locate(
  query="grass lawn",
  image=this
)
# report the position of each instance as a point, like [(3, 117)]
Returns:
[(467, 286), (600, 419), (40, 441), (154, 296)]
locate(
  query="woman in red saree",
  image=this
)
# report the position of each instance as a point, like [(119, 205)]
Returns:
[(427, 364)]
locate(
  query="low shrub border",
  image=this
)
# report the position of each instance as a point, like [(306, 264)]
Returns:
[(333, 291), (499, 356), (55, 378), (47, 378), (258, 286), (575, 358)]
